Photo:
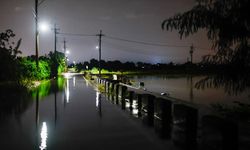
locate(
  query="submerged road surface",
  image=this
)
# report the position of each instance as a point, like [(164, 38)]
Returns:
[(69, 114)]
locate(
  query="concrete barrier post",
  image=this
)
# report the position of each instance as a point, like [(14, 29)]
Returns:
[(112, 88), (186, 120), (139, 102), (105, 85), (166, 117), (131, 96), (150, 109), (117, 93), (123, 95)]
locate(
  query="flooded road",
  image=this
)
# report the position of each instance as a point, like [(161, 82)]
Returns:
[(69, 114)]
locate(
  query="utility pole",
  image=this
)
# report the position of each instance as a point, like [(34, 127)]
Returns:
[(64, 46), (100, 49), (55, 66), (191, 53), (55, 32), (64, 50), (37, 33)]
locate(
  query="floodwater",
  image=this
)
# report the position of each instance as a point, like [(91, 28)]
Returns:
[(198, 89), (69, 113)]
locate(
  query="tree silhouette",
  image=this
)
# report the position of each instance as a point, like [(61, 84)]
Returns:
[(227, 25), (57, 63), (8, 56)]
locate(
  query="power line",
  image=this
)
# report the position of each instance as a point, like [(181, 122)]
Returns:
[(132, 41), (144, 43), (154, 44), (74, 34), (39, 3)]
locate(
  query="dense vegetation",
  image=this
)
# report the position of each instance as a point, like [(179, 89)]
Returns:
[(22, 70)]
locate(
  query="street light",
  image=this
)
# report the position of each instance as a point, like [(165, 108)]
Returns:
[(43, 27)]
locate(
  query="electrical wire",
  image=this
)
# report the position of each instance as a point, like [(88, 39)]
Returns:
[(74, 34), (144, 43), (132, 41), (41, 2)]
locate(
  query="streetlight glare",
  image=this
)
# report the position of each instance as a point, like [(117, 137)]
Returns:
[(43, 27), (97, 47), (67, 52)]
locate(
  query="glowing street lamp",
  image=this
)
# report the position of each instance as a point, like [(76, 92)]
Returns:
[(43, 27), (67, 52)]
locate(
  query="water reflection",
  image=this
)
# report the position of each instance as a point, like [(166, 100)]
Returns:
[(99, 103), (55, 96), (48, 87), (37, 108), (191, 85), (74, 81), (14, 101), (199, 89), (176, 122), (233, 84), (20, 109), (44, 136), (66, 90), (45, 89)]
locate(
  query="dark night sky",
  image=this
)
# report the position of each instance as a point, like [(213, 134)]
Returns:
[(138, 20)]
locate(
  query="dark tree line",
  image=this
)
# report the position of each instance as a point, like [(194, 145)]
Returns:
[(117, 65)]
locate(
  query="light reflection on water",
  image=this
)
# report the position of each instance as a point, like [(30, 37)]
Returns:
[(98, 95), (44, 136), (98, 103), (67, 90), (74, 81)]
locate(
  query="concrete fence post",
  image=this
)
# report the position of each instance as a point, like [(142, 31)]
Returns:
[(150, 109), (139, 102), (123, 95), (166, 117), (131, 96)]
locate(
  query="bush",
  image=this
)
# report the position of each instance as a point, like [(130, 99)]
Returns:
[(29, 71)]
